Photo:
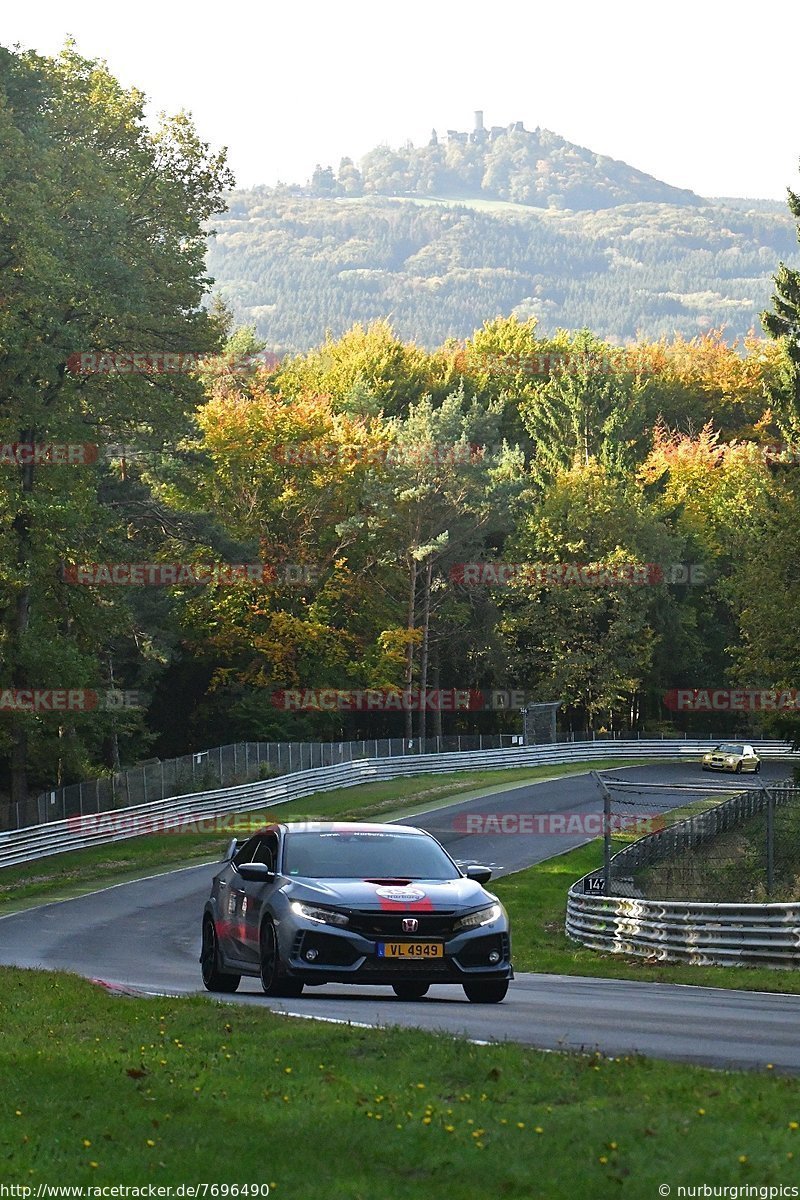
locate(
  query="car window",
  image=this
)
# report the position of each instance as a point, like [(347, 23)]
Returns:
[(266, 851), (365, 855), (245, 854)]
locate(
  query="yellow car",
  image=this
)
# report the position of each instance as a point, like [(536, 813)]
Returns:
[(732, 756)]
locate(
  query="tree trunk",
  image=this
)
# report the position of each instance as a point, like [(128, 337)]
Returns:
[(22, 528), (412, 608), (423, 658), (437, 715)]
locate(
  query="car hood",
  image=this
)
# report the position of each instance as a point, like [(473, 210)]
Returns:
[(421, 895)]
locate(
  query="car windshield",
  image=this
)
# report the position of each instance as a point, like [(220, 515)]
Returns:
[(365, 855), (729, 748)]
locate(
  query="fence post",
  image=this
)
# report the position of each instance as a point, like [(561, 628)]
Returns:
[(770, 838), (606, 833)]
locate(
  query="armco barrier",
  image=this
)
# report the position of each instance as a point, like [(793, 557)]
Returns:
[(56, 837), (758, 935), (696, 932)]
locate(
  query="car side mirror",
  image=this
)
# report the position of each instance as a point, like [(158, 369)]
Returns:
[(255, 872), (479, 874)]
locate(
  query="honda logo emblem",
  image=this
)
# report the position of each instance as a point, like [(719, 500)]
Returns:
[(410, 924)]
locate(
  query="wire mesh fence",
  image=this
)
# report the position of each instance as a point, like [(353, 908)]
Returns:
[(224, 766), (715, 843)]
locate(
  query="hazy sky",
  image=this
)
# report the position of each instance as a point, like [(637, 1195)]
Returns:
[(700, 93)]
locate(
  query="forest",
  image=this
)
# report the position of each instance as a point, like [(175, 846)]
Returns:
[(527, 506), (298, 267)]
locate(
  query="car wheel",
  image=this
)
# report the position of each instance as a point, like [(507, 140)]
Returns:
[(757, 767), (410, 990), (214, 980), (273, 981), (705, 768), (738, 768), (486, 991)]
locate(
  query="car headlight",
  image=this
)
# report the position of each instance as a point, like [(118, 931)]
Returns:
[(706, 758), (730, 760), (323, 916), (484, 916)]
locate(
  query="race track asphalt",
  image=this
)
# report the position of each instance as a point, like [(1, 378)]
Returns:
[(144, 935)]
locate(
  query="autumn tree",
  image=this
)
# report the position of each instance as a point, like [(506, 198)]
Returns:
[(102, 244), (591, 646)]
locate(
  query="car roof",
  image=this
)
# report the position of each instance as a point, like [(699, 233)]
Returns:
[(346, 827), (336, 827)]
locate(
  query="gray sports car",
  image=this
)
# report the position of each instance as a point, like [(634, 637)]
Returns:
[(320, 902)]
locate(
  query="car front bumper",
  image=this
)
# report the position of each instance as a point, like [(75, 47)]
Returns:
[(346, 957)]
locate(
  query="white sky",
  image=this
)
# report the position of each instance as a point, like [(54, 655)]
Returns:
[(700, 93)]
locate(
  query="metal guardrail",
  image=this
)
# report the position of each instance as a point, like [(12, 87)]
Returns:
[(91, 829), (700, 933), (246, 762), (224, 766)]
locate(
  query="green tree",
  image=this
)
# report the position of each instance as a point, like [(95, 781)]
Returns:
[(587, 408), (590, 646), (102, 244)]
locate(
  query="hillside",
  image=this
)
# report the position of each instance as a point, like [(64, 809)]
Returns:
[(531, 167), (440, 238)]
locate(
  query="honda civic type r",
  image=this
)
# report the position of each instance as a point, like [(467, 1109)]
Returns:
[(325, 902)]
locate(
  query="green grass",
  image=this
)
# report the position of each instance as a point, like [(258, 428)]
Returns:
[(75, 872), (733, 866), (476, 202), (536, 900), (103, 1090)]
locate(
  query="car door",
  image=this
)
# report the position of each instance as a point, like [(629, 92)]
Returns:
[(255, 894), (233, 904)]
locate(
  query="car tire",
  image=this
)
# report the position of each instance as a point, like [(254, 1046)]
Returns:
[(486, 991), (214, 980), (757, 768), (410, 990), (738, 768), (273, 981), (705, 768)]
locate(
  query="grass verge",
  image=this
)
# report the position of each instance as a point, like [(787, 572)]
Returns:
[(103, 1090), (733, 865), (75, 872), (536, 900)]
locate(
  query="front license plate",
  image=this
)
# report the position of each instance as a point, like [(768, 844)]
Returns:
[(410, 950)]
